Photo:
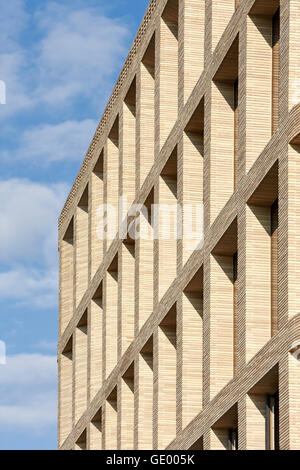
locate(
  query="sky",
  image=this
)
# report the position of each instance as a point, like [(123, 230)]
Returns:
[(59, 61)]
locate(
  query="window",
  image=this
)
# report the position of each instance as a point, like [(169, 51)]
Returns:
[(272, 422), (233, 439)]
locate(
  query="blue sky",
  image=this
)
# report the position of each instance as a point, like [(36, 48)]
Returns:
[(59, 61)]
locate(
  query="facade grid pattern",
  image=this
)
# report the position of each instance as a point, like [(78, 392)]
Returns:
[(164, 346)]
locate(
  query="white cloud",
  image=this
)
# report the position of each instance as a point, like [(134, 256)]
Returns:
[(28, 240), (27, 370), (28, 220), (28, 399), (28, 286), (46, 345), (75, 52), (78, 54), (17, 97), (33, 416), (13, 19), (49, 143)]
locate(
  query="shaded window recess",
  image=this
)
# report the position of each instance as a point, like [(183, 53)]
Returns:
[(84, 200), (170, 14), (265, 392), (68, 350), (114, 133), (83, 323), (227, 81), (97, 420), (149, 57), (130, 98), (226, 429), (69, 234), (81, 442), (198, 444), (98, 168), (266, 195), (272, 422), (271, 9), (227, 250), (232, 439)]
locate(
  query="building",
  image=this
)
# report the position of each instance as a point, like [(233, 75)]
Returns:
[(164, 342)]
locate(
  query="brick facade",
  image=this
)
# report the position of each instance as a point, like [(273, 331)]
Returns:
[(162, 345)]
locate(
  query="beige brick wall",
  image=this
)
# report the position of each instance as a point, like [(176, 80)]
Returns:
[(293, 230), (145, 119), (258, 279), (256, 421), (145, 260), (183, 388), (95, 435), (111, 321), (192, 191), (111, 424), (81, 251), (258, 86), (128, 151), (66, 282), (80, 371), (221, 323), (167, 233), (65, 396), (95, 346), (218, 439), (192, 356), (293, 402), (96, 201), (112, 160), (191, 44), (145, 404), (222, 146), (167, 78), (127, 287), (294, 59), (221, 12), (127, 413), (166, 386)]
